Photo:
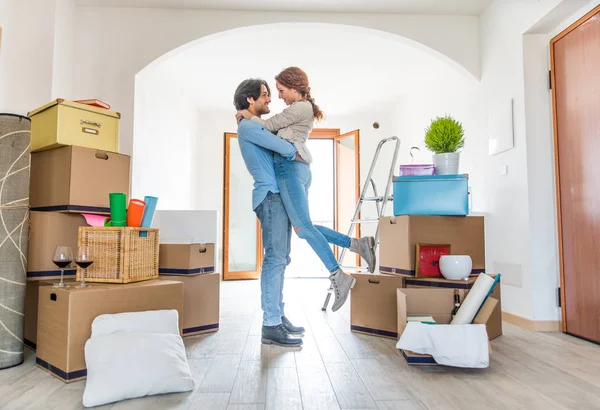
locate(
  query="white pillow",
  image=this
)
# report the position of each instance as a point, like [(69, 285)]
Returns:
[(151, 321), (127, 365)]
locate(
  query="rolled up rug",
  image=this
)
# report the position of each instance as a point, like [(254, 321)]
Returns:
[(14, 233)]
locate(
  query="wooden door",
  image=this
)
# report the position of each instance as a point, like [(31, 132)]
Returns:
[(575, 68), (347, 189), (242, 246)]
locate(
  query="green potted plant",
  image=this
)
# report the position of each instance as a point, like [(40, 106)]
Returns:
[(444, 137)]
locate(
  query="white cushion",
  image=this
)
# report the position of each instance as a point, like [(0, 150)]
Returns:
[(151, 321), (133, 364)]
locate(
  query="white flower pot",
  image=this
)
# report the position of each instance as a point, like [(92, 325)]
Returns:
[(447, 163)]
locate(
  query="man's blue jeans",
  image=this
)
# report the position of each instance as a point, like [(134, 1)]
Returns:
[(294, 179), (276, 237)]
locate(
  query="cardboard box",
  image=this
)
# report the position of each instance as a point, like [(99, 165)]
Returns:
[(373, 308), (413, 358), (399, 236), (200, 302), (65, 318), (47, 231), (77, 179), (493, 324), (186, 259), (32, 290), (31, 313), (62, 122), (432, 302)]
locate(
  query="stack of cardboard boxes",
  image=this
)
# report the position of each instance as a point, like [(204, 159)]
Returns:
[(187, 254), (377, 308), (75, 165)]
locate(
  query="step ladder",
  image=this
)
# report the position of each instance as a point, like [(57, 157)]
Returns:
[(379, 200)]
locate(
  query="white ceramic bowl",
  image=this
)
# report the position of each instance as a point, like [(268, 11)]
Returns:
[(456, 267)]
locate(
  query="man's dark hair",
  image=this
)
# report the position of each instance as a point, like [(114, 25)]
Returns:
[(248, 89)]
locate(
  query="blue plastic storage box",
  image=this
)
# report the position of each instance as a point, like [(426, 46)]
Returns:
[(431, 195)]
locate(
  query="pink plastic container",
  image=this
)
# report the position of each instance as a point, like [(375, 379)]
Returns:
[(417, 169)]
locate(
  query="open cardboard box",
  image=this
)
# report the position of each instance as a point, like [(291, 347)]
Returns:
[(437, 303), (494, 323)]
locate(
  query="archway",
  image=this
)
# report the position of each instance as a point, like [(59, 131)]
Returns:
[(183, 100)]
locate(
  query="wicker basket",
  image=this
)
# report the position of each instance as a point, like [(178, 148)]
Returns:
[(121, 255)]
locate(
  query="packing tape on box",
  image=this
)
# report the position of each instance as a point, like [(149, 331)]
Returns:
[(472, 303)]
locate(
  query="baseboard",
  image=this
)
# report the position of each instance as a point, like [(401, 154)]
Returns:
[(535, 325)]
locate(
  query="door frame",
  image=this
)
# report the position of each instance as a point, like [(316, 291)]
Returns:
[(255, 274), (336, 249), (317, 133), (553, 41)]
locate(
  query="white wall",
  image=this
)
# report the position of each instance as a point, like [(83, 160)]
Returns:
[(166, 128), (521, 226), (459, 97), (194, 146), (26, 57), (407, 117), (113, 44), (541, 170), (36, 60), (64, 48)]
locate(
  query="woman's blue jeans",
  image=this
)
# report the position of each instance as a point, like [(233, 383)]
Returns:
[(294, 179)]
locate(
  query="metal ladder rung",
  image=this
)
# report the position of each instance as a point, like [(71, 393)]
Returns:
[(356, 268), (366, 220), (377, 198)]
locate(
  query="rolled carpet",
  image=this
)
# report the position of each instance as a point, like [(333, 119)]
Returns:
[(14, 232)]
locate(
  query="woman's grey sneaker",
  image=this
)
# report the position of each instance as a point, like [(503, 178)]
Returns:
[(277, 335), (341, 283), (291, 329), (365, 247)]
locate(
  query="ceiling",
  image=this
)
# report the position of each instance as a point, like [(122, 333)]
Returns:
[(349, 69), (444, 7)]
